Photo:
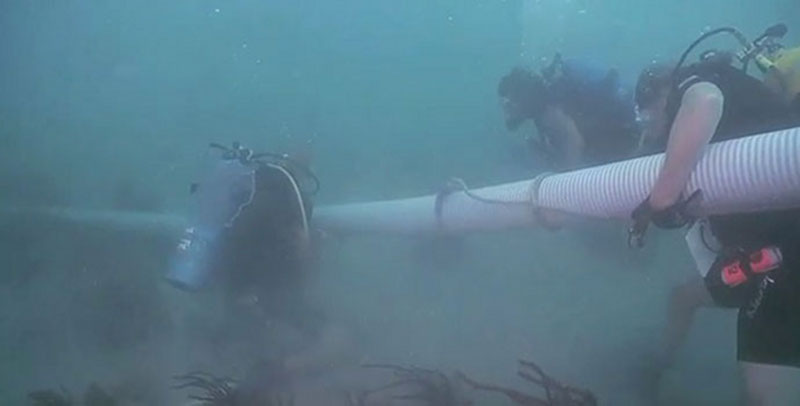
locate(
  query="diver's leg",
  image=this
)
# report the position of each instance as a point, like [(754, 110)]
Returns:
[(770, 385), (684, 300)]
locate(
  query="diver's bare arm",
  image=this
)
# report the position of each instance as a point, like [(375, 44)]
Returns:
[(565, 135), (695, 124)]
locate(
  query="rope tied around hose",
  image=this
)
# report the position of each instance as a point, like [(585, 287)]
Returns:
[(536, 184), (459, 185)]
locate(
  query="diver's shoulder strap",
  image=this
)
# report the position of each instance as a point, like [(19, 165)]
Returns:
[(687, 78), (689, 82)]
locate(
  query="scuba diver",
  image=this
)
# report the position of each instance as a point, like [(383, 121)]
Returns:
[(249, 235), (583, 112), (750, 261)]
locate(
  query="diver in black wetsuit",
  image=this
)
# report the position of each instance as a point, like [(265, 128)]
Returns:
[(260, 250), (265, 257), (756, 267)]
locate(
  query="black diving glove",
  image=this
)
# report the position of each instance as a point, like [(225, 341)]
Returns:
[(675, 216)]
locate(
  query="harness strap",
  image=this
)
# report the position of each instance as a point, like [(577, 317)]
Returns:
[(298, 194), (536, 184)]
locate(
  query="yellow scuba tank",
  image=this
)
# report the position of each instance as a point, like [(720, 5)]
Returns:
[(782, 72)]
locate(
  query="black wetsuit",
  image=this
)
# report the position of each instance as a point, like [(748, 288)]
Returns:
[(601, 106), (769, 328), (261, 257)]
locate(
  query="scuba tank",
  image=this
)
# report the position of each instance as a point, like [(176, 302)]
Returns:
[(228, 187), (783, 77)]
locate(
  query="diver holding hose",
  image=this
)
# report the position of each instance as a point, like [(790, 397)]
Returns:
[(746, 261)]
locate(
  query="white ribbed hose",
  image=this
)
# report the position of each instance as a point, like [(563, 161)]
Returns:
[(756, 173)]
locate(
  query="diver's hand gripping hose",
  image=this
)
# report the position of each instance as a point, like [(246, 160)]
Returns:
[(675, 216)]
